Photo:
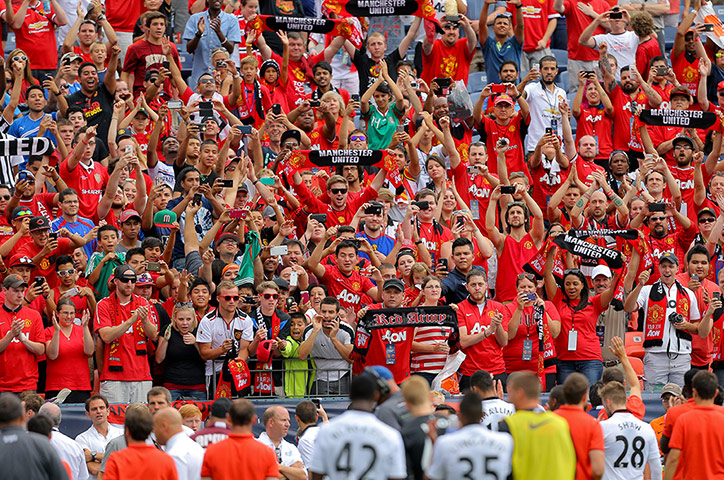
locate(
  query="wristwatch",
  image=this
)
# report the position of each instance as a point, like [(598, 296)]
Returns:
[(93, 456)]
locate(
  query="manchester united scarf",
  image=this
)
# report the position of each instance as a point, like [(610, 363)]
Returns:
[(585, 249), (656, 319), (403, 317), (345, 27), (381, 8), (26, 146), (678, 118), (306, 159)]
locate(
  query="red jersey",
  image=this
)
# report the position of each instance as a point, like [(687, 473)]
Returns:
[(334, 217), (583, 322), (109, 314), (514, 157), (46, 268), (447, 61), (122, 14), (686, 70), (676, 242), (319, 139), (89, 181), (625, 125), (246, 105), (634, 404), (586, 169), (391, 347), (215, 433), (701, 348), (536, 16), (19, 367), (434, 235), (36, 36), (143, 56), (665, 93), (347, 289), (486, 354), (515, 254), (41, 204), (645, 52), (299, 76), (69, 369), (673, 414), (576, 22), (472, 187), (595, 121), (6, 230), (86, 55), (527, 331), (547, 177)]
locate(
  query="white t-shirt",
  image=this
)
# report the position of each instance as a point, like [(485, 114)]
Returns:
[(306, 443), (543, 108), (671, 343), (495, 411), (71, 452), (214, 330), (357, 445), (622, 46), (471, 452), (330, 364), (95, 442), (630, 444)]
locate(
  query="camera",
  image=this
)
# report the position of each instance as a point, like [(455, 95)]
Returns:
[(220, 64), (675, 317), (503, 142)]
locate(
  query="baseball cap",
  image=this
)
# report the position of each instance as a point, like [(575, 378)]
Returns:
[(684, 138), (144, 279), (680, 90), (394, 283), (227, 236), (720, 86), (14, 281), (125, 272), (243, 186), (164, 218), (232, 160), (504, 98), (123, 133), (601, 270), (220, 407), (230, 267), (383, 372), (150, 74), (269, 212), (293, 134), (129, 214), (72, 56), (281, 283), (669, 257), (39, 223), (143, 111), (19, 212), (708, 210), (672, 389), (20, 259)]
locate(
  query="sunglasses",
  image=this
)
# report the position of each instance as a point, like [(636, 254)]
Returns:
[(65, 85), (230, 298), (707, 220), (291, 145), (358, 138), (5, 197), (683, 147), (65, 273), (658, 219), (126, 280), (451, 26), (267, 296), (570, 271), (19, 58), (206, 80), (338, 191), (529, 276)]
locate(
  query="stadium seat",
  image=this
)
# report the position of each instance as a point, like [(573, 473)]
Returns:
[(561, 58), (719, 9), (638, 366), (563, 80), (634, 344), (477, 81), (669, 36)]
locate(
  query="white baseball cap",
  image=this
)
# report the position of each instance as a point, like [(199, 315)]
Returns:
[(601, 270)]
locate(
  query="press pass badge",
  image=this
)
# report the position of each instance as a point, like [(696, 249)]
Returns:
[(527, 350), (390, 354), (475, 209), (572, 340), (600, 331)]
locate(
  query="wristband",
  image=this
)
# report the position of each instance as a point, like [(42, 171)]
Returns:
[(198, 34), (610, 194), (255, 182)]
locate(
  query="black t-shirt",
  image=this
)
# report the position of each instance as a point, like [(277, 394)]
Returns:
[(97, 108), (184, 365), (368, 70), (415, 440)]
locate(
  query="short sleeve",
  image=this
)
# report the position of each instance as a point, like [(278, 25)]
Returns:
[(36, 329), (234, 32), (597, 441), (677, 436), (204, 333), (191, 27), (643, 296), (103, 315), (694, 314)]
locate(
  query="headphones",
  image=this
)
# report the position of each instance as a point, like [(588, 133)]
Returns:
[(382, 386)]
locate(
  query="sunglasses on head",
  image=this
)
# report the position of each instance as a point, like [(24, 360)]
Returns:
[(338, 191), (267, 296), (230, 298), (529, 276)]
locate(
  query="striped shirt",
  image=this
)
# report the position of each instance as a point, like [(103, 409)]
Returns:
[(7, 174), (431, 362)]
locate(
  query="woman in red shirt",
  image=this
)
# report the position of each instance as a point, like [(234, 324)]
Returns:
[(577, 347), (594, 116), (530, 345), (68, 346)]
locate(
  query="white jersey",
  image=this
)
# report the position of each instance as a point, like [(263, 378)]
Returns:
[(357, 445), (471, 452), (494, 411), (214, 330), (630, 444)]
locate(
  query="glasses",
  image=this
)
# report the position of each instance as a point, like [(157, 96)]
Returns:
[(65, 273), (24, 213), (206, 80), (358, 138), (707, 220), (683, 147), (338, 191), (658, 219), (5, 197), (126, 280), (719, 54), (65, 85), (19, 58), (451, 26), (70, 202), (267, 296), (523, 275), (570, 271), (230, 298)]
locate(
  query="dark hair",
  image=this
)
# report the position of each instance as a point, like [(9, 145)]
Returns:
[(363, 387), (62, 260), (41, 424), (593, 397), (151, 242), (11, 408), (199, 282), (289, 242), (574, 388), (384, 88), (584, 291), (73, 109), (151, 16), (346, 244), (330, 301), (107, 228), (97, 396), (509, 62), (65, 194), (34, 87), (556, 397), (185, 171), (242, 412), (346, 229), (697, 249), (462, 242), (404, 63), (64, 301), (139, 424), (32, 159), (548, 58), (319, 285), (471, 408), (612, 374), (324, 65), (705, 383), (658, 58), (306, 411), (482, 380), (476, 272), (135, 251)]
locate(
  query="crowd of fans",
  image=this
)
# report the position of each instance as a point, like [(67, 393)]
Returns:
[(226, 209)]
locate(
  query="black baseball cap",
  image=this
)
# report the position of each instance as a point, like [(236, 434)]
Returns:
[(125, 272), (39, 223)]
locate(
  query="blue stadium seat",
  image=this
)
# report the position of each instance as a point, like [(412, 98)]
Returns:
[(561, 58), (719, 9), (669, 36), (477, 81), (563, 80), (10, 43)]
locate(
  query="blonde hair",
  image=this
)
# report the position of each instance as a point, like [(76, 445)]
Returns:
[(178, 308), (416, 391), (189, 410)]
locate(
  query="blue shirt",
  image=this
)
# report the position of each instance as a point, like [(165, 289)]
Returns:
[(495, 54), (80, 227), (27, 127), (383, 244), (208, 41), (203, 221)]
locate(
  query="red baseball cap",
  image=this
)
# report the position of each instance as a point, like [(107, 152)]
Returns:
[(128, 214)]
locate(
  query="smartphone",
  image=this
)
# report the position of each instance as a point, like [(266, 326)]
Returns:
[(206, 106), (452, 18), (293, 278), (319, 217), (616, 15), (717, 295), (220, 64), (290, 302), (305, 297), (443, 262), (49, 78), (549, 131), (245, 129), (507, 189), (71, 293), (266, 181), (276, 109), (128, 149), (695, 277), (249, 300), (354, 97), (39, 281), (496, 88), (443, 82), (228, 183), (317, 402), (23, 175), (373, 210), (657, 207), (53, 235), (201, 127), (278, 250), (400, 129), (423, 205), (314, 103), (174, 104), (166, 65), (153, 267), (237, 213), (708, 27), (197, 198), (589, 73), (662, 71), (460, 220), (473, 169), (530, 297)]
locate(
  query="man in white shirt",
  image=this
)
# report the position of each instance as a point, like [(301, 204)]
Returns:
[(187, 454), (622, 43), (68, 449), (495, 409), (94, 440), (630, 442), (671, 317), (543, 98), (307, 415), (356, 444), (276, 426)]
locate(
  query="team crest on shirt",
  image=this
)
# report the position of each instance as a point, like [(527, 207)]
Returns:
[(356, 286), (657, 313), (449, 66), (511, 128), (669, 240), (44, 264), (28, 322), (97, 177), (491, 314), (237, 335), (528, 245), (285, 7), (340, 219), (683, 305)]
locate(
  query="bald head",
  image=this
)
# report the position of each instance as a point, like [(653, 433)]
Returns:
[(167, 422), (52, 411)]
